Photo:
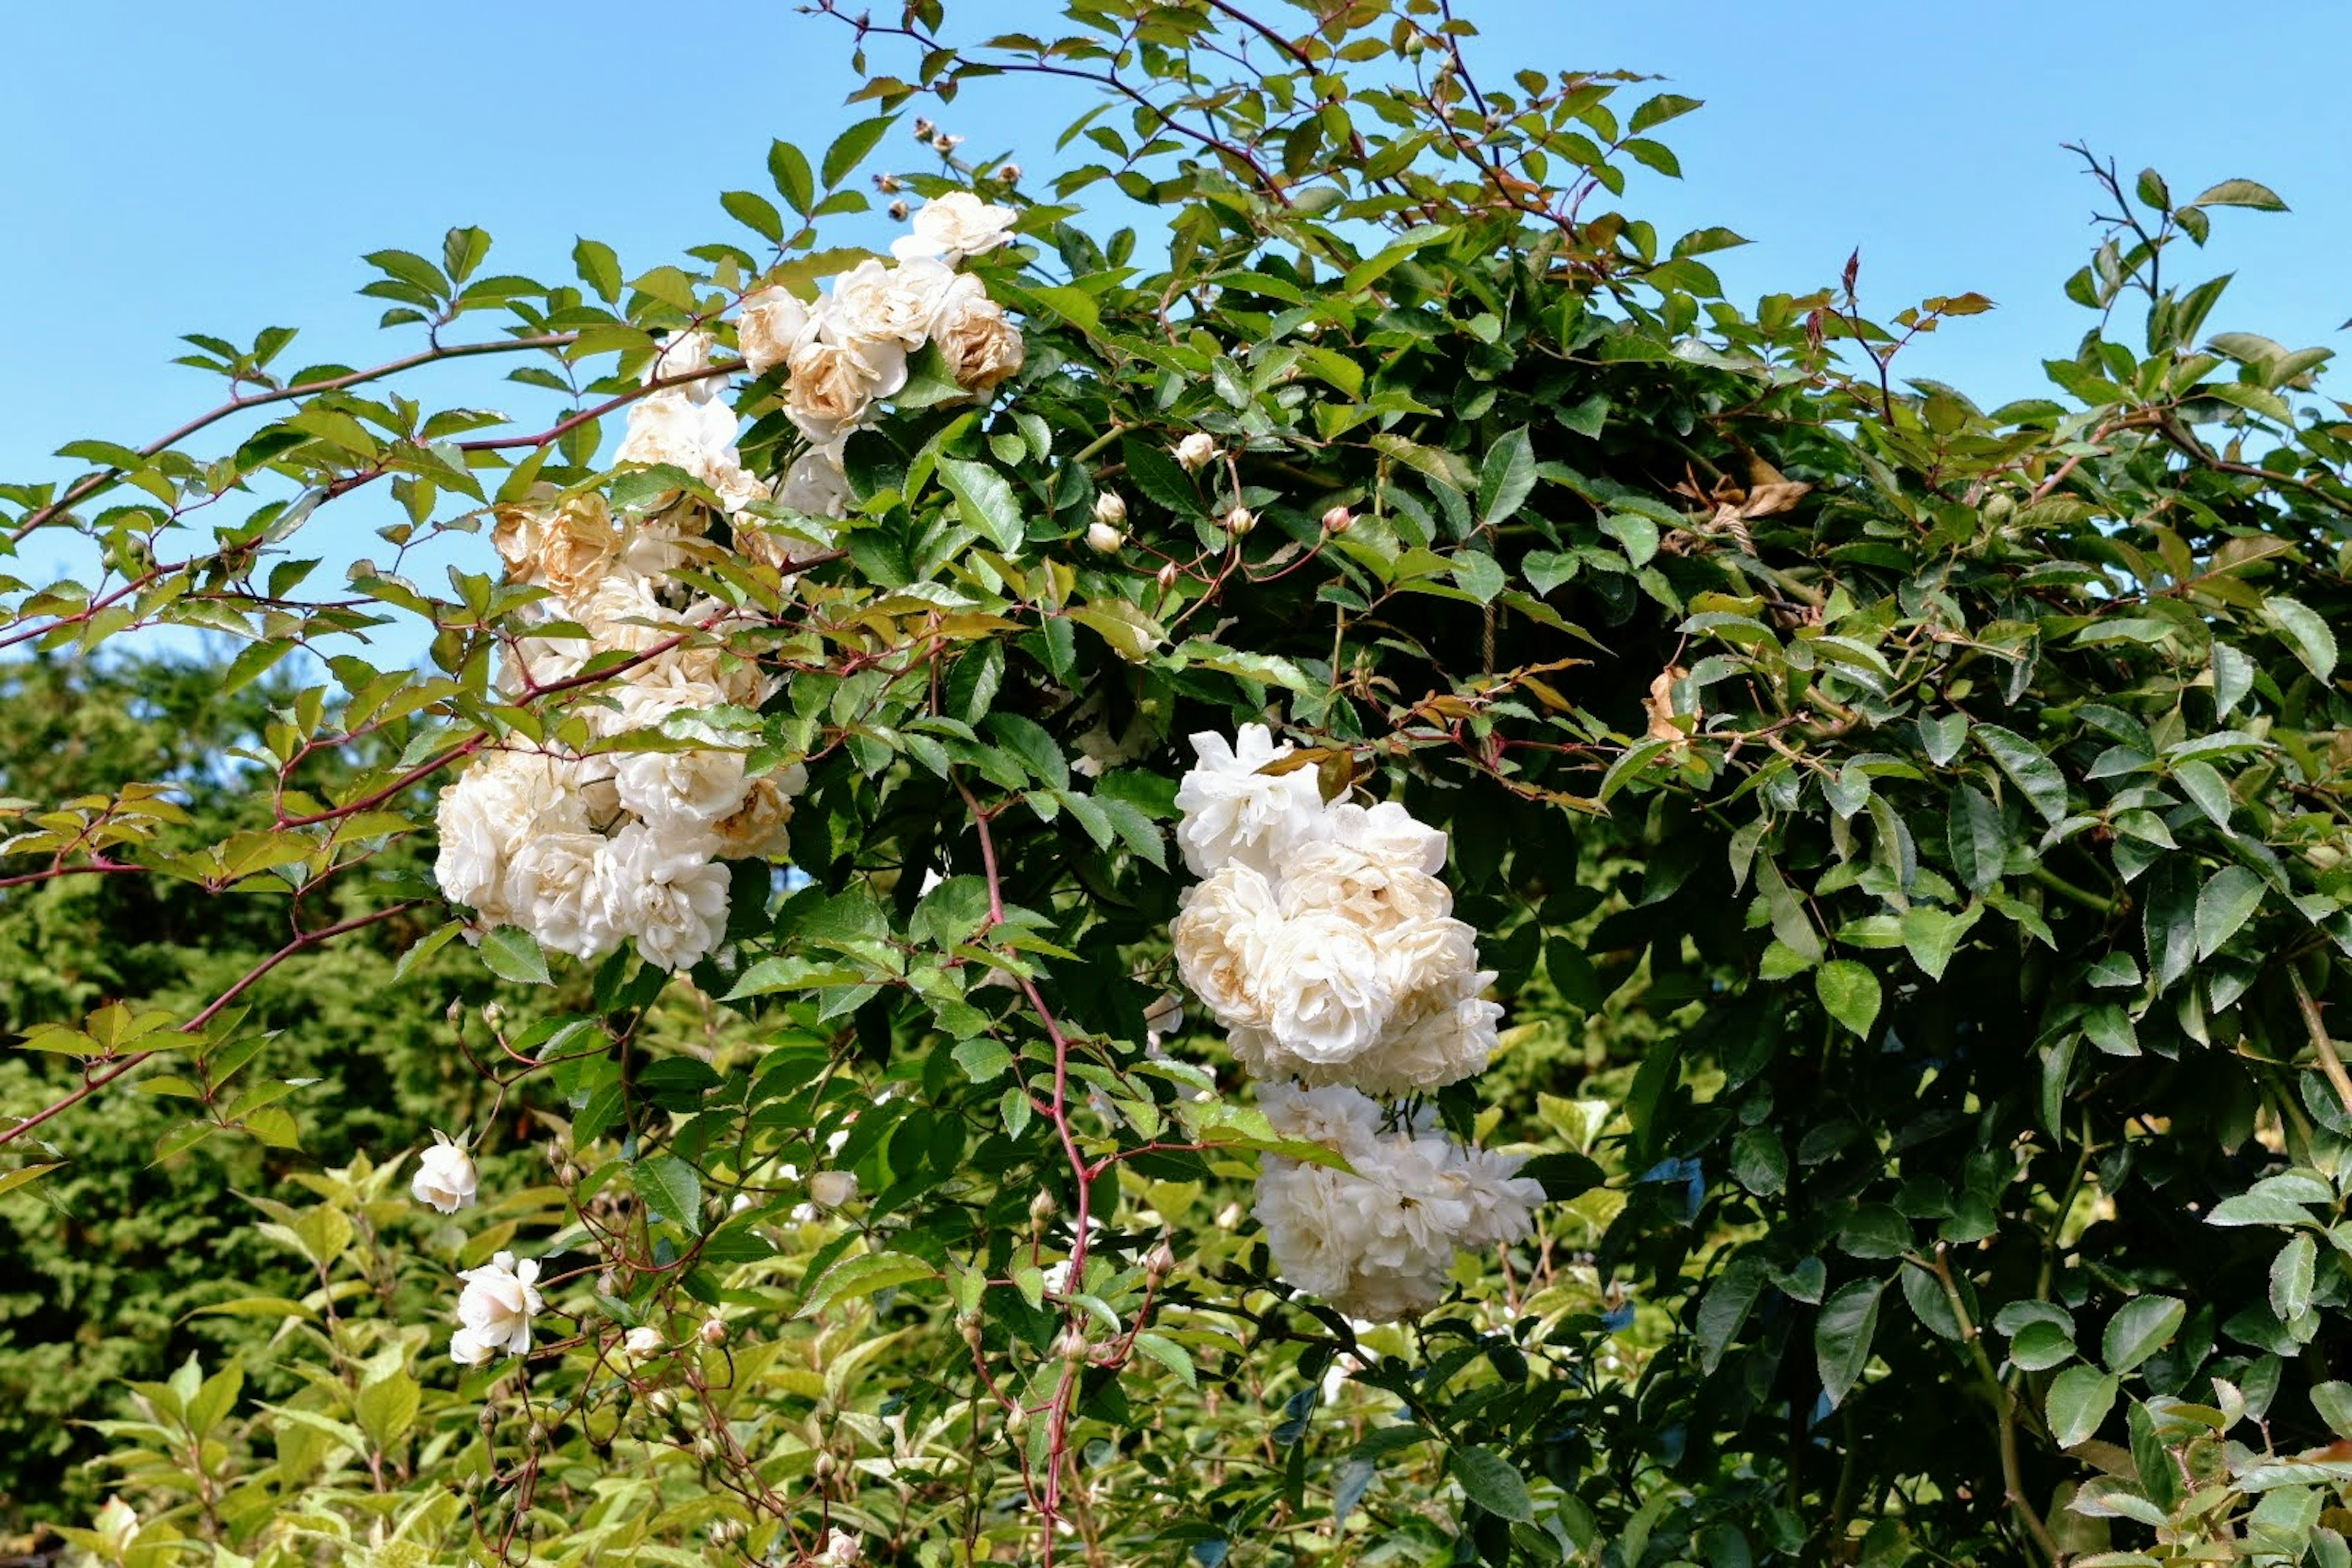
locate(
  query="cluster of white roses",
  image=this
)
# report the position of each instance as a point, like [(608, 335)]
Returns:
[(1323, 942), (586, 850)]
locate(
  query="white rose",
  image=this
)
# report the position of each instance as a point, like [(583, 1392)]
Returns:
[(815, 485), (981, 346), (684, 353), (499, 802), (550, 889), (955, 226), (873, 303), (1196, 451), (1233, 811), (842, 1550), (682, 792), (833, 385), (1103, 538), (1332, 998), (1376, 891), (759, 828), (641, 1343), (495, 1309), (1222, 938), (445, 1178), (566, 550), (832, 1189), (771, 324), (670, 897)]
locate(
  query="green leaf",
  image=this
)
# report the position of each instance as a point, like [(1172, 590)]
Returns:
[(790, 170), (2291, 1276), (1851, 993), (756, 213), (2241, 193), (2303, 629), (863, 1276), (1170, 1354), (1160, 478), (1638, 534), (513, 954), (386, 1408), (2168, 920), (1507, 478), (1841, 1336), (2139, 1330), (2228, 900), (2033, 773), (2040, 1345), (672, 1189), (849, 147), (986, 501), (2077, 1403), (1979, 847), (1489, 1480), (2204, 785)]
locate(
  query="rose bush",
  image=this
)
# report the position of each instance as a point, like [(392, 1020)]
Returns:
[(1723, 900)]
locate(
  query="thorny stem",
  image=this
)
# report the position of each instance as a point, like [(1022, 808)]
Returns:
[(92, 1083)]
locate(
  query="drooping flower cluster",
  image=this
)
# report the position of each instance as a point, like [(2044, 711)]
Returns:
[(1378, 1243), (622, 841), (1324, 942)]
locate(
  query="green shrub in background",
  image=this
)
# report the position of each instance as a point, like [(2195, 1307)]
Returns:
[(1908, 838)]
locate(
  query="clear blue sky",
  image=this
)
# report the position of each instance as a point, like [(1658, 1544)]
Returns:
[(194, 168)]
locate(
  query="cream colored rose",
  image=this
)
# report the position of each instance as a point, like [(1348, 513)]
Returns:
[(1222, 939), (1377, 893), (981, 345), (873, 303), (759, 828), (833, 385), (566, 550), (955, 226), (770, 325)]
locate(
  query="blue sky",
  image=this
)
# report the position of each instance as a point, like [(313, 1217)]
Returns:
[(227, 165)]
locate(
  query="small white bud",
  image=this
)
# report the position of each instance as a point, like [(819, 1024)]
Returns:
[(1240, 521), (1339, 519), (1168, 575), (1103, 539), (1110, 507), (641, 1341), (1042, 1207), (1196, 451), (832, 1189), (713, 1331)]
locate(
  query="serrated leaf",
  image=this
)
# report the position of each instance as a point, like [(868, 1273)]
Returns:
[(2035, 776), (673, 1190), (2139, 1330), (1489, 1480), (1841, 1336), (1505, 478), (513, 954), (2077, 1404), (863, 1276), (986, 501), (2306, 631), (2227, 902), (1851, 993), (849, 147)]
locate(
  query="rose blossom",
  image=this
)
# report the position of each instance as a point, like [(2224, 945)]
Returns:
[(445, 1178), (495, 1309), (1233, 811), (955, 226), (983, 348), (835, 384), (771, 324)]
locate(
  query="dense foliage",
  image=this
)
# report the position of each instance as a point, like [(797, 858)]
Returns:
[(1909, 839)]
